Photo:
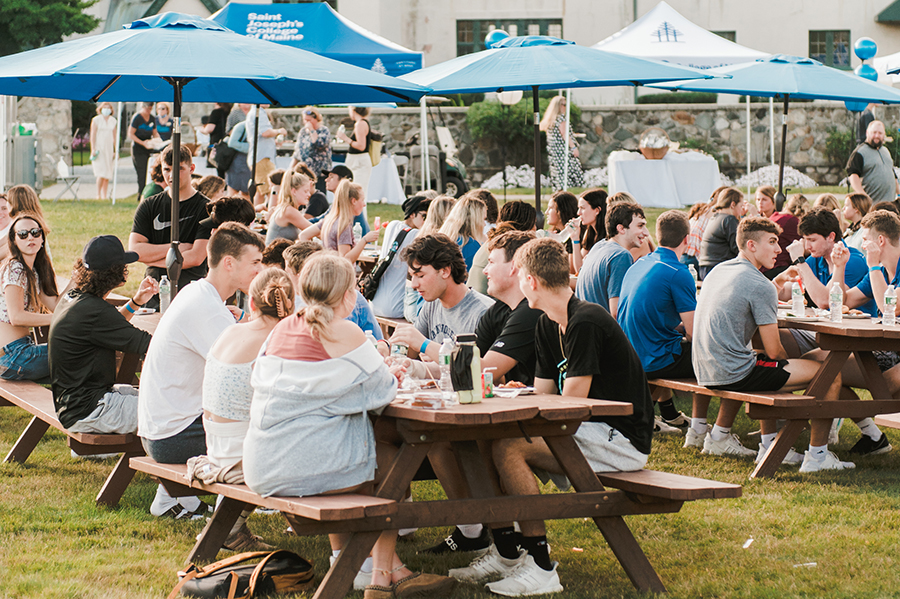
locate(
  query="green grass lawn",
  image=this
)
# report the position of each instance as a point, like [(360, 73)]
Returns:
[(831, 535)]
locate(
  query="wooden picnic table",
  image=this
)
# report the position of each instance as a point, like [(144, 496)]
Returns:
[(852, 336)]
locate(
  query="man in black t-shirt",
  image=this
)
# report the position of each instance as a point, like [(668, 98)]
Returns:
[(506, 330), (152, 228), (581, 352), (85, 333)]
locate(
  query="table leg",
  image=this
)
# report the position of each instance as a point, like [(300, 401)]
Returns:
[(875, 382), (614, 529), (338, 580), (118, 480), (828, 371), (472, 463), (402, 470), (216, 530), (785, 439), (27, 441)]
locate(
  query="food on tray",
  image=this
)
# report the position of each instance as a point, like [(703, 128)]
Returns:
[(432, 384), (855, 312), (512, 385)]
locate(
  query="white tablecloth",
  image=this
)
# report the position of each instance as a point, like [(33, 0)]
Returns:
[(678, 180), (384, 183)]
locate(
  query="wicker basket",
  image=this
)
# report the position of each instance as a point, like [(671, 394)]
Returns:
[(653, 133)]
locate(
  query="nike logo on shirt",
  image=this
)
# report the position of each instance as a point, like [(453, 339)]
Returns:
[(159, 225)]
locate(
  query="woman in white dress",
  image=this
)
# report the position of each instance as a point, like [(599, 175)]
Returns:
[(103, 147)]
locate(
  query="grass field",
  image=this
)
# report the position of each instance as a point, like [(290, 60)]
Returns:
[(831, 535)]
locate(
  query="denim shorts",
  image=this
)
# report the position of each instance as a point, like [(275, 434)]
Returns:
[(25, 360), (178, 448)]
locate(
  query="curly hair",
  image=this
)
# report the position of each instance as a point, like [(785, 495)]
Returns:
[(273, 254), (98, 282), (437, 251)]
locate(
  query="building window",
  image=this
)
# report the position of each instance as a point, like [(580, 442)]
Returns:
[(470, 34), (729, 35), (831, 48)]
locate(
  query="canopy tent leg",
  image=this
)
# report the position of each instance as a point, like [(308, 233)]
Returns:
[(537, 148), (117, 148), (174, 259), (749, 184), (423, 139), (779, 197)]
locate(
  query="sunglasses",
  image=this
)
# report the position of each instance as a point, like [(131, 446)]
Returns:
[(35, 232)]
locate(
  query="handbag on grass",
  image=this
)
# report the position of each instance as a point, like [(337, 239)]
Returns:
[(376, 140), (368, 285), (278, 572)]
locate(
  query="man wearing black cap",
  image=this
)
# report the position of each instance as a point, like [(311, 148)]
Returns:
[(85, 334), (388, 300), (338, 173)]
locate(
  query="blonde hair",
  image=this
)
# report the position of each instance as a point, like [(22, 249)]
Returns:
[(341, 215), (437, 213), (827, 200), (798, 205), (273, 293), (23, 198), (292, 179), (466, 220), (325, 279), (551, 113), (315, 112), (620, 197)]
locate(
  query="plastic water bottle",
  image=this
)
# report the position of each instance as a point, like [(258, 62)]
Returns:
[(357, 232), (444, 354), (835, 302), (371, 339), (165, 294), (797, 308), (889, 314), (693, 270)]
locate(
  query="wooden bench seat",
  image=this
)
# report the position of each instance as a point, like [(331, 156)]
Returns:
[(665, 485), (760, 397), (388, 325), (38, 401)]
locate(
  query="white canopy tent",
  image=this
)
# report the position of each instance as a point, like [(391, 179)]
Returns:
[(665, 34)]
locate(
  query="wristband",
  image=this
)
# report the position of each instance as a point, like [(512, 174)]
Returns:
[(878, 267), (424, 346), (798, 261), (128, 306), (242, 316), (575, 241)]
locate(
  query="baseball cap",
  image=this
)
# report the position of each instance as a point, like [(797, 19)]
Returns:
[(415, 204), (341, 171), (104, 252)]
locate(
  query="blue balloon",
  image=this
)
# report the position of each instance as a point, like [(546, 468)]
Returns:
[(866, 72), (493, 37), (856, 106), (865, 48)]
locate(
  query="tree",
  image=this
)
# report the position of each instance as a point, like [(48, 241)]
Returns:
[(27, 24)]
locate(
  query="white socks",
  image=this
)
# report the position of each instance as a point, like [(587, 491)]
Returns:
[(699, 425), (818, 451), (366, 567), (868, 427), (718, 432), (470, 531), (766, 440), (163, 502)]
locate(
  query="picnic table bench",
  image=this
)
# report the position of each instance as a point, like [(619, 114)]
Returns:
[(365, 517), (888, 420), (388, 325), (37, 400)]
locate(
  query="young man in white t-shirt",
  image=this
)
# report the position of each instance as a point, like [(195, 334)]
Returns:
[(170, 407)]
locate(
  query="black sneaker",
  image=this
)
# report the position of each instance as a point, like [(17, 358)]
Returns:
[(457, 541), (866, 446)]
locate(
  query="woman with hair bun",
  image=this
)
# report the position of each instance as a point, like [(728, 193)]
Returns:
[(315, 384), (227, 392)]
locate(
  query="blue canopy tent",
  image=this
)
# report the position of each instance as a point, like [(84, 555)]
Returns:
[(317, 28)]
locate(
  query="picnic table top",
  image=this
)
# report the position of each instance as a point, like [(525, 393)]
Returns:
[(848, 327)]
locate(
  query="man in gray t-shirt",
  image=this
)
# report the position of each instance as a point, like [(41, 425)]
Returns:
[(438, 273), (871, 168), (736, 302)]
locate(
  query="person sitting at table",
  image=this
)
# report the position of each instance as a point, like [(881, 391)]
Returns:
[(362, 316), (699, 216), (719, 241), (466, 224), (736, 302), (336, 229), (856, 206), (581, 352), (85, 334), (229, 209), (170, 399), (317, 204), (321, 413), (438, 274), (765, 206), (592, 221), (29, 296), (562, 209), (600, 279), (515, 215), (273, 255), (286, 220), (157, 184), (388, 299), (656, 311), (227, 394)]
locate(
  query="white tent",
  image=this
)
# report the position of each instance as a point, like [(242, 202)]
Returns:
[(665, 34)]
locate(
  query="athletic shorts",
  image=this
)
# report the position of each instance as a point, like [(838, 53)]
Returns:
[(681, 368), (767, 375)]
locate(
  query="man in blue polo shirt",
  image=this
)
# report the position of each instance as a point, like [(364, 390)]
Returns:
[(656, 311)]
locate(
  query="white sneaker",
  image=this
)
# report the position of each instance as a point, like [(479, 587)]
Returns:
[(833, 438), (361, 580), (528, 579), (660, 427), (828, 461), (730, 445), (490, 566), (694, 439), (792, 458)]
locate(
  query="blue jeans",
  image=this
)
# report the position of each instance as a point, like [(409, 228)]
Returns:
[(178, 449), (24, 360)]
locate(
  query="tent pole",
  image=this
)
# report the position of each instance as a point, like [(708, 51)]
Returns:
[(749, 184), (779, 197), (423, 139), (568, 128), (772, 130), (174, 259), (255, 146), (537, 150), (117, 148), (4, 140)]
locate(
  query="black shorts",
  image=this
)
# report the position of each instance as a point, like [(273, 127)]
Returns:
[(767, 375), (681, 368)]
